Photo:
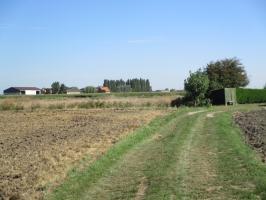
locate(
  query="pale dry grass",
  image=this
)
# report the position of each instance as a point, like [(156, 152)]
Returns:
[(30, 103)]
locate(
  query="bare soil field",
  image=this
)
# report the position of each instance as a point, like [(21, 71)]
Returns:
[(253, 125), (39, 148)]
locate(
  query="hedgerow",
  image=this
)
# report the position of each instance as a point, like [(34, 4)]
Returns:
[(250, 95)]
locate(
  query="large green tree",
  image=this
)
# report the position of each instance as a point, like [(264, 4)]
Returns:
[(58, 88), (55, 87), (226, 73), (196, 86), (90, 89), (63, 89)]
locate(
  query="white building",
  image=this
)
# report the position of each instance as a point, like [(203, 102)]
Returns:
[(22, 91), (73, 90)]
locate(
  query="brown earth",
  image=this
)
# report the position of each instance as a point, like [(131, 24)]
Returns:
[(39, 148), (253, 125)]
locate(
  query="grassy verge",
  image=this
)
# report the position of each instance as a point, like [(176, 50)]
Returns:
[(78, 182), (241, 171), (185, 155)]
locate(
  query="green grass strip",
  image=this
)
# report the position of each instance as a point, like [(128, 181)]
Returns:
[(78, 182), (238, 163)]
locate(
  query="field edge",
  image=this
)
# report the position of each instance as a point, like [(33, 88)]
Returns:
[(77, 181)]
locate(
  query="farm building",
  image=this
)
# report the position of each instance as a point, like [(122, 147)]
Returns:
[(73, 90), (46, 90), (225, 96), (22, 91), (104, 89)]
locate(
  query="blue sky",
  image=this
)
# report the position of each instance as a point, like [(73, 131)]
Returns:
[(82, 42)]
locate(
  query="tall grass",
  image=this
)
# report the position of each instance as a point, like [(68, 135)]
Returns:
[(11, 105), (56, 106)]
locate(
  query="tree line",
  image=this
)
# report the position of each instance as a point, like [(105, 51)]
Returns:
[(131, 85)]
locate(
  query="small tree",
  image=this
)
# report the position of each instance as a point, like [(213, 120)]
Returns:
[(62, 89), (55, 87), (196, 86)]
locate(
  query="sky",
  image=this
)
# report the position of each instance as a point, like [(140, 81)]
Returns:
[(83, 42)]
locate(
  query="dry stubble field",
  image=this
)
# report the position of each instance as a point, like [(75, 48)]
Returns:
[(39, 147)]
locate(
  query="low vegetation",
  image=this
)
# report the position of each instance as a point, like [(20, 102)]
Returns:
[(250, 95), (190, 154), (11, 105), (226, 73), (114, 101)]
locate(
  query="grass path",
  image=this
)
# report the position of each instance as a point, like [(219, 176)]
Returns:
[(186, 156)]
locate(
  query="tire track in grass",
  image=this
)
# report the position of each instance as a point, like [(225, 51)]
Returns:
[(151, 159), (197, 165), (239, 171), (187, 157)]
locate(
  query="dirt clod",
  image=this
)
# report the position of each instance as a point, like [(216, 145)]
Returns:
[(39, 148), (253, 125)]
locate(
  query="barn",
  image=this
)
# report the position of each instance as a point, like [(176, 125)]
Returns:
[(22, 91), (73, 90), (225, 96), (104, 89)]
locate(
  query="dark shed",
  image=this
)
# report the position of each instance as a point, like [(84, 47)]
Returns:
[(224, 96)]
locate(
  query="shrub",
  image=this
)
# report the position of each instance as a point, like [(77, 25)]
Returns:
[(128, 104), (86, 105), (196, 86), (182, 101), (7, 105), (99, 104), (19, 107), (115, 104), (57, 106), (72, 105), (10, 105), (250, 95), (35, 106), (147, 104), (163, 105)]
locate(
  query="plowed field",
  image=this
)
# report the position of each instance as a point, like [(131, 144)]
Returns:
[(253, 125), (39, 147)]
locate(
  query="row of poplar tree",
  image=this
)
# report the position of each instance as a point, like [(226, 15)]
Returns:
[(131, 85)]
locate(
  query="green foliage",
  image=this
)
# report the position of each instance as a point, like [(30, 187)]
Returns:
[(250, 95), (227, 73), (89, 89), (131, 85), (62, 89), (55, 87), (58, 88), (196, 86), (264, 86), (71, 190)]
